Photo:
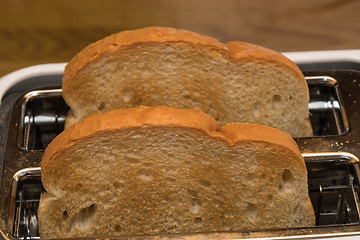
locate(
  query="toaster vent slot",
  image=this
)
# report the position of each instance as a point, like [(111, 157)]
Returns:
[(25, 198), (327, 112), (42, 118), (334, 188)]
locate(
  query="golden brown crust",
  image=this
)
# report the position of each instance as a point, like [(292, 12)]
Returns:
[(235, 51), (121, 119), (238, 132), (129, 118), (124, 39), (242, 51)]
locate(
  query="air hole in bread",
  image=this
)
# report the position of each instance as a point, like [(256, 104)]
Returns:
[(195, 205), (117, 228), (145, 174), (287, 176), (286, 181), (276, 99), (251, 209), (65, 215), (102, 106), (83, 218), (197, 220), (88, 211), (127, 94)]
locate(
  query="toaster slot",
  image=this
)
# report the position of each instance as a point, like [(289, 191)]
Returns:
[(333, 189), (327, 112), (26, 189), (43, 113), (42, 117)]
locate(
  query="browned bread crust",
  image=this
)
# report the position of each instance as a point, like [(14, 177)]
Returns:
[(245, 52), (128, 39), (234, 50)]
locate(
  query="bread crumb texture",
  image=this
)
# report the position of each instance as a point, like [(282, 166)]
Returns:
[(165, 170), (233, 82)]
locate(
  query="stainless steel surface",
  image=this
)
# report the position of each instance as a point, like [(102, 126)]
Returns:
[(26, 189), (331, 157), (334, 187), (43, 114), (327, 110)]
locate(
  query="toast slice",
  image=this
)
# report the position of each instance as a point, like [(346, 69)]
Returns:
[(236, 82), (157, 170)]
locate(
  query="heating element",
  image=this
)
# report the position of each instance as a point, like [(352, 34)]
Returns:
[(35, 116)]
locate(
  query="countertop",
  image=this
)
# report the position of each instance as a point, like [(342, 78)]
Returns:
[(51, 31)]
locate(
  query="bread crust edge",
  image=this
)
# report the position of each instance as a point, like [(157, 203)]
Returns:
[(122, 119), (235, 51)]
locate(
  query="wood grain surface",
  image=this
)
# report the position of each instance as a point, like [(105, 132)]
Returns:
[(48, 31)]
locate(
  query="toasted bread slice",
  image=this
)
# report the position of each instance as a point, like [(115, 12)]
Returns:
[(156, 170), (236, 82)]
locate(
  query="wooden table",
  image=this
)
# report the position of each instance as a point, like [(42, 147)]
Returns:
[(47, 31)]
